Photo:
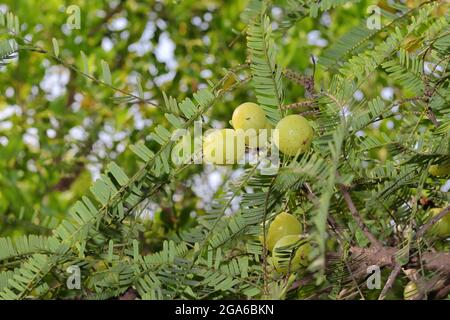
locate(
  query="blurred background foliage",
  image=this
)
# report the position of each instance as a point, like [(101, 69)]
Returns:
[(58, 129)]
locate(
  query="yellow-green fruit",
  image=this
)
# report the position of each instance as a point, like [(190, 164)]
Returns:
[(284, 224), (223, 147), (294, 135), (249, 116), (383, 154), (410, 292), (439, 170), (442, 227), (297, 260), (100, 266)]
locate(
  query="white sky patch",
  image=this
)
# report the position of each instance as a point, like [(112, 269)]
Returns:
[(34, 90), (106, 139), (94, 170), (51, 133), (206, 74), (387, 93), (446, 186), (3, 8), (4, 141), (376, 124), (314, 39), (345, 112), (148, 212), (325, 19), (432, 68), (10, 111), (358, 95), (31, 165), (390, 124), (165, 51), (215, 180), (139, 121), (124, 35), (161, 24), (166, 77), (31, 138), (207, 17), (6, 125), (9, 92), (196, 21), (118, 24), (55, 81), (78, 133), (206, 40), (144, 45), (210, 59), (277, 13), (107, 44)]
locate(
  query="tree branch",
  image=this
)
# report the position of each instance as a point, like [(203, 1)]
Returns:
[(357, 217), (432, 221), (390, 281)]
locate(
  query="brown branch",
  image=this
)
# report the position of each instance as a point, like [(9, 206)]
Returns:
[(443, 292), (432, 221), (357, 217), (306, 81), (390, 281), (385, 257), (300, 104), (432, 117)]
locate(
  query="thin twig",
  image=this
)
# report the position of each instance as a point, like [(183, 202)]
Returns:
[(357, 217), (390, 281), (300, 104)]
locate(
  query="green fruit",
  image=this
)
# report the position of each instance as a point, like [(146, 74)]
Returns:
[(283, 225), (100, 266), (249, 116), (298, 260), (383, 154), (294, 135), (442, 227), (439, 170), (410, 292), (224, 146)]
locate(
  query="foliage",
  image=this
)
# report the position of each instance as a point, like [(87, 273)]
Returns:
[(143, 225)]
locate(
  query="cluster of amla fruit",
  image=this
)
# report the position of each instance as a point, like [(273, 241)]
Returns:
[(293, 135), (284, 241)]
